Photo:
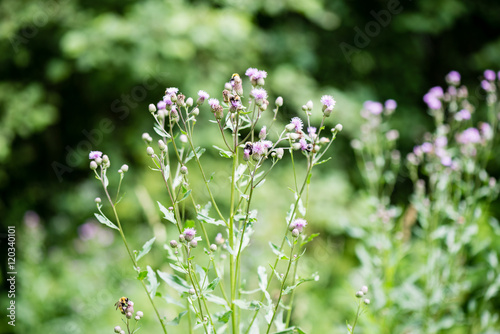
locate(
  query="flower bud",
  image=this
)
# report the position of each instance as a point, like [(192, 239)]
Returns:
[(140, 314), (146, 137), (290, 127), (213, 247), (324, 140), (189, 102), (192, 291), (279, 153), (93, 165), (309, 105), (294, 136), (105, 159), (328, 111), (359, 294), (128, 315), (193, 243), (366, 301), (124, 168), (364, 289), (296, 146), (97, 200), (184, 170), (98, 161), (195, 111), (150, 151), (262, 133), (161, 145), (173, 243), (219, 239), (118, 329), (295, 233), (137, 318), (183, 138), (152, 107), (338, 127), (181, 237), (279, 101)]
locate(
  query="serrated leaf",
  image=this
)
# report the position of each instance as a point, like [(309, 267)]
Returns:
[(223, 317), (224, 153), (216, 300), (211, 287), (152, 284), (105, 221), (177, 319), (311, 237), (206, 219), (142, 275), (174, 281), (199, 151), (168, 215), (314, 277), (146, 248)]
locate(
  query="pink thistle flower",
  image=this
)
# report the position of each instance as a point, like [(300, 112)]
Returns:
[(297, 123), (303, 144), (161, 105), (469, 136), (374, 108), (259, 93), (189, 233), (453, 78), (328, 101), (95, 154), (214, 103)]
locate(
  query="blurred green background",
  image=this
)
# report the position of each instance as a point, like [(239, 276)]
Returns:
[(74, 72)]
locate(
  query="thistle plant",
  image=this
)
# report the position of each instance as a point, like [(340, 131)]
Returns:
[(441, 271), (208, 273)]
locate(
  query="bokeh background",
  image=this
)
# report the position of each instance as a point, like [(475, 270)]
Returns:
[(74, 72)]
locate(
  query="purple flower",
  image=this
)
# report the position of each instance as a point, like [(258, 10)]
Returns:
[(189, 233), (250, 72), (452, 90), (441, 141), (417, 150), (259, 75), (375, 108), (426, 147), (168, 100), (446, 161), (299, 224), (453, 78), (486, 131), (171, 91), (297, 123), (214, 103), (469, 136), (463, 115), (259, 93), (436, 91), (432, 101), (328, 101), (95, 154), (311, 130), (161, 105), (303, 144), (259, 148), (267, 143), (486, 85), (202, 95), (489, 75), (390, 104)]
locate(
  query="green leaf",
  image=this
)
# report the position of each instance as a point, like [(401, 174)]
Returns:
[(211, 287), (186, 194), (161, 131), (145, 249), (291, 330), (216, 300), (174, 281), (224, 153), (169, 215), (311, 237), (322, 161), (223, 317), (142, 275), (277, 251), (177, 319), (153, 283), (206, 219), (104, 220), (314, 277), (199, 151)]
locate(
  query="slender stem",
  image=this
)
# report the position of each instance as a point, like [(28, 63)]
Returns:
[(231, 241), (290, 304), (130, 253), (282, 286), (356, 319)]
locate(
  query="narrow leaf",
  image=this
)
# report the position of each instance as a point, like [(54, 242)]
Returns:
[(169, 215), (104, 220), (177, 319), (145, 249)]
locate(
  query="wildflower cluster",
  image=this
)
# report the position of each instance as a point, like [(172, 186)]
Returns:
[(437, 234), (126, 307), (212, 293)]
